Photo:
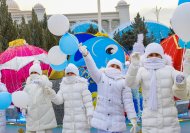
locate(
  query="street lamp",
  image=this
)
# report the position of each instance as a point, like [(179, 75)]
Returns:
[(99, 17), (157, 13)]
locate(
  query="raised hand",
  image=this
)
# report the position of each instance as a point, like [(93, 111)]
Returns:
[(135, 58), (83, 49)]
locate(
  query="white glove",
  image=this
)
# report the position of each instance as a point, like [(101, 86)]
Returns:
[(134, 125), (180, 78), (50, 92), (135, 58), (45, 82), (49, 84), (180, 81), (83, 50), (24, 112), (42, 83)]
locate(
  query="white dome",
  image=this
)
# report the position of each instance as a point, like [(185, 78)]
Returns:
[(38, 6), (12, 5), (121, 3)]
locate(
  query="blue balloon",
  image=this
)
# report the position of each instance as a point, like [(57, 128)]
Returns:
[(5, 100), (76, 58), (182, 1), (182, 44), (68, 44), (59, 67)]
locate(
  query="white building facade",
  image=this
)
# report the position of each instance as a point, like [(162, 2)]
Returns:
[(17, 14), (110, 20)]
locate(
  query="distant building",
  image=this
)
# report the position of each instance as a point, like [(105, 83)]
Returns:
[(110, 20), (17, 14)]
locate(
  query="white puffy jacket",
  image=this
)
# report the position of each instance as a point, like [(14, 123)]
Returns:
[(2, 121), (114, 98), (40, 113), (165, 119), (2, 112), (78, 106)]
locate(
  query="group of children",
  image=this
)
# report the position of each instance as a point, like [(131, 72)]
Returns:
[(152, 71)]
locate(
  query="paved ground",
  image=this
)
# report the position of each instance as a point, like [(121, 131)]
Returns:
[(185, 126)]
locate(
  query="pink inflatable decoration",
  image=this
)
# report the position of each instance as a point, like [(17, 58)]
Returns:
[(16, 61)]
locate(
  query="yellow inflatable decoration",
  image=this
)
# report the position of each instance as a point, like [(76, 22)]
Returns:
[(56, 75), (17, 42), (101, 34)]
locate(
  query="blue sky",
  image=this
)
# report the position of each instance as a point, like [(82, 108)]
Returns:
[(145, 7)]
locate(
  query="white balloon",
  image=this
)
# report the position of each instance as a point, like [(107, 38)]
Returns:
[(56, 56), (20, 99), (58, 24), (181, 21)]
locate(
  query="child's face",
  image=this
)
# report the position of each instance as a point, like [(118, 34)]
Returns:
[(70, 74), (34, 73), (154, 55), (115, 66)]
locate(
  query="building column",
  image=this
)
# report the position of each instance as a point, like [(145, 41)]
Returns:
[(110, 25)]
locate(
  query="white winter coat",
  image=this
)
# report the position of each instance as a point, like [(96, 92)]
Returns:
[(2, 112), (114, 98), (165, 119), (78, 106), (40, 113), (2, 121)]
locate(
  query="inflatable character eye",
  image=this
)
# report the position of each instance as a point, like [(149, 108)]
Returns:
[(111, 49)]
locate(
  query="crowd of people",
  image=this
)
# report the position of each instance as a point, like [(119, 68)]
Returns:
[(152, 71)]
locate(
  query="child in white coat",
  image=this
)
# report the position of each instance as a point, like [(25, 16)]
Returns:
[(160, 82), (77, 99), (40, 116), (2, 112), (114, 97)]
